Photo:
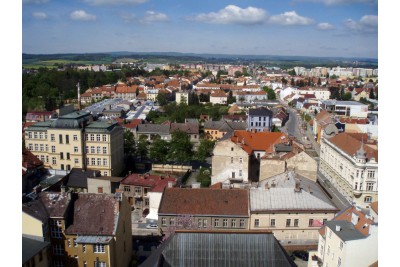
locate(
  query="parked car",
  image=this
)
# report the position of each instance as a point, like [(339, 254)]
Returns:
[(301, 254), (151, 226)]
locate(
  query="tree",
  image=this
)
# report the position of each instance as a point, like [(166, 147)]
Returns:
[(162, 99), (292, 82), (159, 150), (238, 74), (129, 143), (231, 99), (204, 150), (292, 72), (142, 147), (204, 177), (193, 99), (271, 94), (180, 147), (347, 96)]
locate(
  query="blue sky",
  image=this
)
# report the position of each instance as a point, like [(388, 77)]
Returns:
[(344, 28)]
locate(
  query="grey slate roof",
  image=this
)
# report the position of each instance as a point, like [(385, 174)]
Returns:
[(260, 112), (31, 247), (347, 230), (286, 199), (220, 249), (153, 128), (77, 178)]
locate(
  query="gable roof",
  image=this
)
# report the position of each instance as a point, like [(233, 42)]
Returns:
[(263, 111), (190, 201), (31, 247), (48, 204), (156, 182)]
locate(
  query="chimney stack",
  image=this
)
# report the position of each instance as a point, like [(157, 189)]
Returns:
[(338, 228), (297, 186)]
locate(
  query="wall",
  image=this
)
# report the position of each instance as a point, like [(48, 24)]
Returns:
[(222, 165), (170, 168), (304, 165), (32, 226), (93, 185), (271, 167)]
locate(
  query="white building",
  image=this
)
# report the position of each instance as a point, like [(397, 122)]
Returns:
[(349, 161), (350, 239), (346, 108)]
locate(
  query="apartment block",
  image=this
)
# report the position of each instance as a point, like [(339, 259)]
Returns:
[(76, 141)]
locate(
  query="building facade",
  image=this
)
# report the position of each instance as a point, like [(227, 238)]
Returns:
[(74, 140), (350, 164), (259, 120)]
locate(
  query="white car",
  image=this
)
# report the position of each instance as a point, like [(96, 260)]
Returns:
[(151, 226)]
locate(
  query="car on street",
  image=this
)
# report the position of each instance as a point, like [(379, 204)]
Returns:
[(151, 226)]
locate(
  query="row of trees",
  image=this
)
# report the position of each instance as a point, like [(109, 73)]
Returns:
[(179, 149)]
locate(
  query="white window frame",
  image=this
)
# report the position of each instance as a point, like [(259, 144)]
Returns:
[(99, 248), (75, 137), (104, 162), (76, 149), (104, 150)]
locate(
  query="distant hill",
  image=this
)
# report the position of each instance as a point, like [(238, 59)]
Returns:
[(176, 57)]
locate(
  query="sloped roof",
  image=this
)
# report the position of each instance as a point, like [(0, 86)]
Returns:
[(153, 128), (260, 112), (94, 214), (189, 128), (48, 204), (194, 248), (374, 206), (229, 202), (31, 247), (350, 143), (156, 182), (29, 160)]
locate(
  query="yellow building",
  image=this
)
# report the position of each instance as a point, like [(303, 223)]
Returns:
[(83, 229), (76, 141)]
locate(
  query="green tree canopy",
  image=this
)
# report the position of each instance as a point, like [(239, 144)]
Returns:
[(180, 147), (159, 150), (204, 150)]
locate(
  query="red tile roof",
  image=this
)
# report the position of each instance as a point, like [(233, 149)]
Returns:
[(374, 206), (156, 182), (29, 160), (262, 141), (228, 202)]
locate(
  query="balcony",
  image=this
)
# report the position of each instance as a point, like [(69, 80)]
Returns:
[(357, 193)]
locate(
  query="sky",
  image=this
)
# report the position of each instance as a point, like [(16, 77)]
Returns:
[(340, 28)]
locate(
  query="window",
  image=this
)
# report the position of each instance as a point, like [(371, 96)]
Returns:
[(52, 138), (56, 232), (288, 222), (75, 149), (99, 248), (61, 155), (257, 223), (105, 173), (97, 137), (172, 221), (104, 150), (75, 137), (35, 135), (100, 264), (146, 202), (68, 155), (339, 262), (54, 161), (30, 147), (241, 223), (84, 264), (272, 223), (233, 223), (98, 161), (104, 138), (216, 223), (296, 222), (99, 190), (105, 162), (199, 222), (92, 149), (58, 263), (76, 161), (29, 135), (127, 188), (75, 244), (69, 242), (67, 139), (240, 173), (231, 159), (329, 250), (371, 174), (310, 222), (205, 223), (58, 249), (84, 248), (47, 158), (92, 137), (225, 223), (53, 149), (42, 158), (368, 199), (60, 139), (163, 221), (240, 160), (231, 148), (341, 244), (86, 137), (93, 161), (355, 186), (98, 150), (36, 147), (370, 186), (41, 147)]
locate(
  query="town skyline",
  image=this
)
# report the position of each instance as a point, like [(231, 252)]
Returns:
[(324, 28)]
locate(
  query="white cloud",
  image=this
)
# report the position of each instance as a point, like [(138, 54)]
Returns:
[(39, 15), (152, 16), (290, 18), (82, 15), (367, 24), (324, 26), (232, 14), (114, 2), (34, 1)]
